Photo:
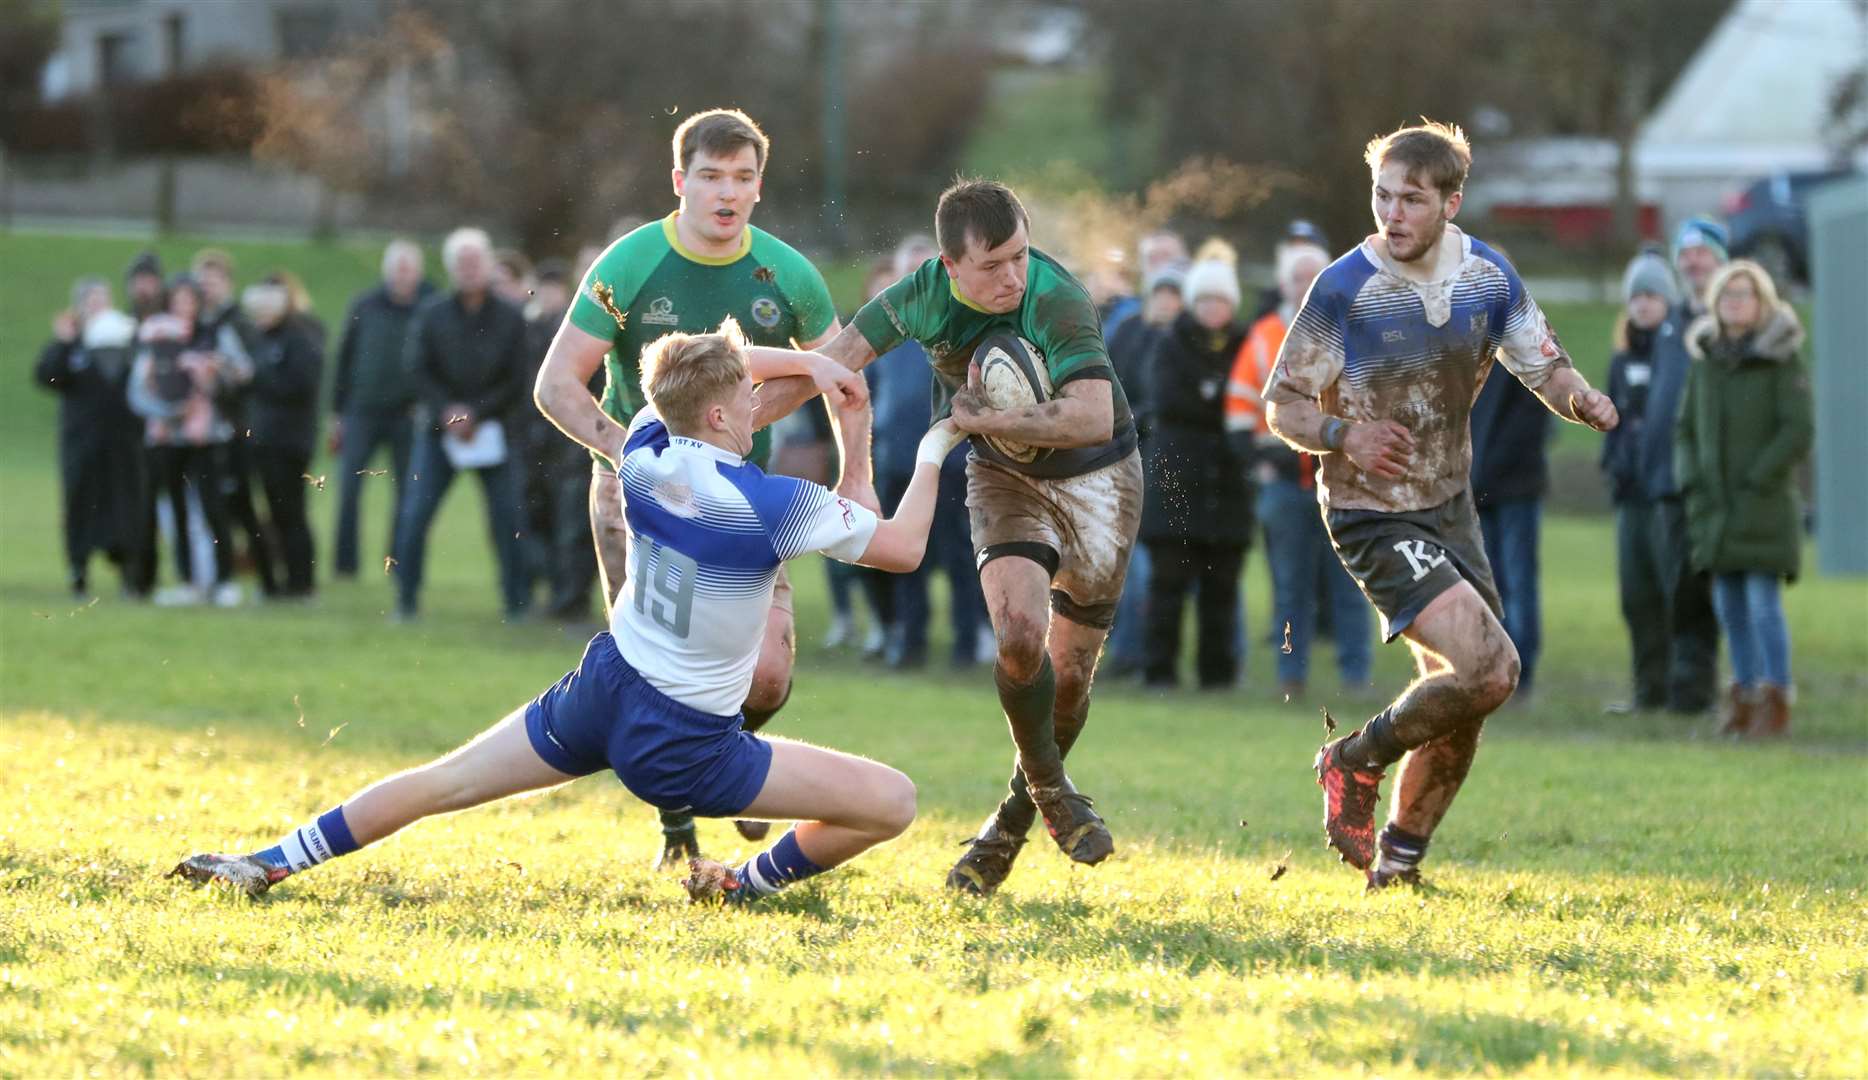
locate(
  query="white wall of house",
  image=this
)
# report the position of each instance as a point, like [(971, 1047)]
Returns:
[(148, 39)]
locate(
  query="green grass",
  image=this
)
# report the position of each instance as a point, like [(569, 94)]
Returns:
[(1611, 895)]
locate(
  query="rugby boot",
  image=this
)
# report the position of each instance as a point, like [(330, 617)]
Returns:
[(988, 859), (754, 831), (1380, 879), (678, 847), (247, 873), (1350, 796), (1068, 817), (711, 882)]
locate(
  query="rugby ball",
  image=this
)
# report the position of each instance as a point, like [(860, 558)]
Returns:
[(1012, 375)]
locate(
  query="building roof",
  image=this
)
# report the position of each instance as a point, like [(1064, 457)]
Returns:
[(1755, 98)]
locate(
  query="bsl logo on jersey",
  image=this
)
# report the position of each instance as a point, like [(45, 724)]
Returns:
[(661, 312)]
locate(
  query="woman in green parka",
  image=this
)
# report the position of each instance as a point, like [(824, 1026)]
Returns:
[(1744, 427)]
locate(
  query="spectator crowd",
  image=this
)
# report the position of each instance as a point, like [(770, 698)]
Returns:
[(190, 420)]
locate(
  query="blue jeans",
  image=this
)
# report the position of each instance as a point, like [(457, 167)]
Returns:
[(1511, 528), (1751, 612), (1298, 549), (365, 430), (1128, 633), (430, 476)]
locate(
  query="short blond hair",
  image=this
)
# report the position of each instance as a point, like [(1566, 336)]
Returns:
[(1435, 155), (683, 374)]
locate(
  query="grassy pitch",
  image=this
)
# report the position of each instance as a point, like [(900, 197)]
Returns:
[(1610, 895)]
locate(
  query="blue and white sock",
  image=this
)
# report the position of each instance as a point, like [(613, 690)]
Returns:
[(776, 867), (1401, 851), (325, 837)]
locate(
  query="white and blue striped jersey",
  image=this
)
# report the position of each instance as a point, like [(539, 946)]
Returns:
[(707, 532), (1369, 344)]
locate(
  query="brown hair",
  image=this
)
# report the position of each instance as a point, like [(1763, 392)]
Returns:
[(985, 209), (719, 132), (1435, 154), (682, 374)]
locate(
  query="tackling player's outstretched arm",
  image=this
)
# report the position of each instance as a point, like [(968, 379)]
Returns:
[(777, 399), (1082, 414), (899, 542)]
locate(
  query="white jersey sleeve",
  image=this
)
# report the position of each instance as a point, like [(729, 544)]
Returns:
[(817, 519)]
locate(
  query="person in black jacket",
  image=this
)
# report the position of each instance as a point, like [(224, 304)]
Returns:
[(100, 441), (1131, 345), (372, 392), (1197, 520), (554, 471), (466, 355), (1510, 477), (1648, 290), (282, 414)]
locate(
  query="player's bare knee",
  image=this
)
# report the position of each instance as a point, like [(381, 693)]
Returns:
[(897, 806), (1498, 678), (1021, 646)]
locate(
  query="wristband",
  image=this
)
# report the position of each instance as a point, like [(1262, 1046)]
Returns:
[(938, 443), (1335, 431)]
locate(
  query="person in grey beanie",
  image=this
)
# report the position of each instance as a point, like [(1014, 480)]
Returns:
[(1649, 292)]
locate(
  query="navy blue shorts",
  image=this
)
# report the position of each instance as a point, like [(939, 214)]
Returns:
[(605, 715)]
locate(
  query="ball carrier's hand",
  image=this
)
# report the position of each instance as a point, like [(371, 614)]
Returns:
[(1381, 447), (970, 409)]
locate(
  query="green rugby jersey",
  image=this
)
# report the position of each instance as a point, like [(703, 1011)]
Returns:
[(1056, 314), (660, 287)]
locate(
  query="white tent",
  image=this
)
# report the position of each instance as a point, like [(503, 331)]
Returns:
[(1754, 100)]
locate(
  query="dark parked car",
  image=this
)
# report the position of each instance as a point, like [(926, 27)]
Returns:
[(1767, 223)]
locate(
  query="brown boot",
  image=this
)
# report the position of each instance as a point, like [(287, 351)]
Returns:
[(1772, 716), (1741, 711)]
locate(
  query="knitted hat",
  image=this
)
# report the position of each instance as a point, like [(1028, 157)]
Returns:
[(1648, 272), (145, 263), (1168, 277), (1696, 231), (1212, 277)]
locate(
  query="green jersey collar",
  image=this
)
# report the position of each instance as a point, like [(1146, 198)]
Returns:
[(674, 241), (954, 288)]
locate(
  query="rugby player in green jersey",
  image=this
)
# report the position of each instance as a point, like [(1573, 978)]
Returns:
[(1052, 537), (687, 273)]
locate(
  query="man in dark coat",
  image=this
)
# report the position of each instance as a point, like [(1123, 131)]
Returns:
[(466, 354), (100, 441), (371, 395), (1698, 253), (1197, 520)]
